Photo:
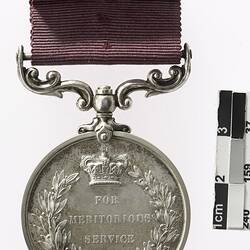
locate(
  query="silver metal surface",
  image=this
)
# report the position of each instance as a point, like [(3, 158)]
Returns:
[(104, 101), (122, 195), (155, 83), (53, 85)]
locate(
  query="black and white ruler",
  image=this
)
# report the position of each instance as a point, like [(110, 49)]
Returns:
[(246, 172), (231, 208)]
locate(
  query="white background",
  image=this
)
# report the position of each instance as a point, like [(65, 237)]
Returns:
[(182, 124)]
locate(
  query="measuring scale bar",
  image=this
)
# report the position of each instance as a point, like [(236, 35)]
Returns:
[(230, 189)]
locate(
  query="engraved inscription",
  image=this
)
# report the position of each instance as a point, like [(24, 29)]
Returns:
[(107, 200), (109, 239), (110, 219)]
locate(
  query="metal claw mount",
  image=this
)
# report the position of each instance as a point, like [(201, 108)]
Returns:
[(104, 124), (104, 101)]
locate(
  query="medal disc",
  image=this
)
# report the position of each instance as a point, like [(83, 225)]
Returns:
[(122, 195)]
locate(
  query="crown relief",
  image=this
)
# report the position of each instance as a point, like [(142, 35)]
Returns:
[(104, 169)]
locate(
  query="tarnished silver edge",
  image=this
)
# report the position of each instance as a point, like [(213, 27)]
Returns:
[(127, 137)]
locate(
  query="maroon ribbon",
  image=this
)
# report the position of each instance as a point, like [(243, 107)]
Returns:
[(105, 32)]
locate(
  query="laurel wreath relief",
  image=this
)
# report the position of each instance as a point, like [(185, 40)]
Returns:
[(162, 200), (51, 228)]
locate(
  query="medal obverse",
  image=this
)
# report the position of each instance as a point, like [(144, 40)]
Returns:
[(124, 195)]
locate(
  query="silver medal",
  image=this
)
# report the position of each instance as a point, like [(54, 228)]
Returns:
[(105, 189), (126, 195)]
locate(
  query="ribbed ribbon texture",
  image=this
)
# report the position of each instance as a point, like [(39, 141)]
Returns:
[(105, 32)]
